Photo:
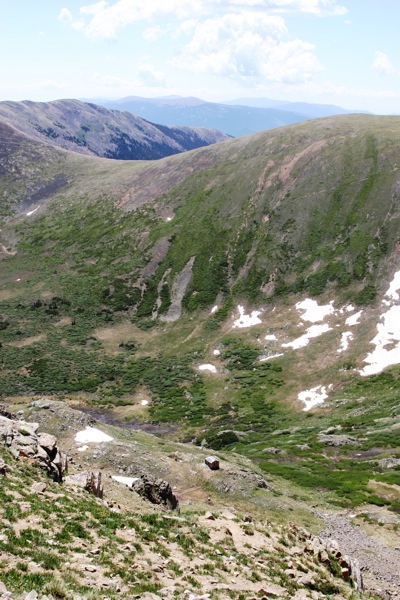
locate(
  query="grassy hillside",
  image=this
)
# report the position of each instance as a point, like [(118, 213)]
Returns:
[(92, 284), (60, 541)]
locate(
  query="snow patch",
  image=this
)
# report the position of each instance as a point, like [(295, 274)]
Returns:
[(83, 448), (314, 396), (264, 358), (348, 308), (354, 319), (91, 434), (214, 309), (125, 480), (388, 334), (394, 287), (216, 352), (211, 368), (312, 332), (144, 402), (271, 337), (344, 342), (247, 320), (28, 214), (313, 312)]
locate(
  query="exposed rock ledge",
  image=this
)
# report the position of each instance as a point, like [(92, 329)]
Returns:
[(25, 442)]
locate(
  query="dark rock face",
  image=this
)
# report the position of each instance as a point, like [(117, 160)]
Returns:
[(5, 413), (212, 462), (157, 491)]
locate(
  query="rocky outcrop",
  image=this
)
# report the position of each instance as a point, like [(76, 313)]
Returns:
[(157, 491), (212, 462), (6, 413), (24, 441), (327, 550), (336, 440), (88, 480)]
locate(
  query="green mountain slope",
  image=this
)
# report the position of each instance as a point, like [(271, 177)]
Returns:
[(121, 291)]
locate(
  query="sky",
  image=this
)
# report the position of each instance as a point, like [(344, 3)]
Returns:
[(343, 52)]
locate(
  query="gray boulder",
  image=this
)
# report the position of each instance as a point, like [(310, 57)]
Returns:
[(22, 439)]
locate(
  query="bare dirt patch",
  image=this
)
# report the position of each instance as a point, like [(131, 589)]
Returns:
[(63, 322), (112, 337), (27, 341), (7, 294)]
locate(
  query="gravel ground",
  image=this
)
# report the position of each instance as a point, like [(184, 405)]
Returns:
[(380, 565)]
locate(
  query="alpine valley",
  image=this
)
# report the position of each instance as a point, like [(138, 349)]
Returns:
[(236, 305)]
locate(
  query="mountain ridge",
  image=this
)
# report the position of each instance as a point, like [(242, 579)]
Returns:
[(89, 129), (236, 118)]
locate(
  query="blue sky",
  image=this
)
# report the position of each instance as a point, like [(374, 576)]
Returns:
[(343, 52)]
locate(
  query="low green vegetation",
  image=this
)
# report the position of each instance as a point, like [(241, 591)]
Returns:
[(113, 554), (309, 210)]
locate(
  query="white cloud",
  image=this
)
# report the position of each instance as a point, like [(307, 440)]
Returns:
[(65, 16), (147, 76), (112, 81), (94, 9), (106, 20), (250, 45), (150, 77), (152, 33), (314, 7), (382, 64)]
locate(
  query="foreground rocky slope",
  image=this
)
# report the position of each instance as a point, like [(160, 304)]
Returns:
[(126, 546)]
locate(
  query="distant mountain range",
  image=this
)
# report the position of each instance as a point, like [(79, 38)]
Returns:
[(91, 129), (236, 117)]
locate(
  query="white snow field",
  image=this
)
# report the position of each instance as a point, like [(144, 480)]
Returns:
[(387, 340), (92, 435)]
